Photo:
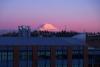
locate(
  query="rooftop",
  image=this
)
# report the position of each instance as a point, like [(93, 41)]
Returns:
[(78, 39)]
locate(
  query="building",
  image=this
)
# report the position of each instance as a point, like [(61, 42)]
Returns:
[(74, 51)]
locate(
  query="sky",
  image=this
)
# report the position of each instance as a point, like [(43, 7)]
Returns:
[(76, 15)]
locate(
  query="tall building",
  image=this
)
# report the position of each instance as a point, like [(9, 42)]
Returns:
[(74, 51)]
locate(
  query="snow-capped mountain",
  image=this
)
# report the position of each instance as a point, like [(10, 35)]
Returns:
[(48, 27)]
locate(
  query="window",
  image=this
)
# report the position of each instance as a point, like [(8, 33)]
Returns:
[(61, 53), (77, 56), (94, 56), (25, 57), (44, 63), (6, 57), (61, 63), (77, 50), (44, 53), (10, 56), (77, 63)]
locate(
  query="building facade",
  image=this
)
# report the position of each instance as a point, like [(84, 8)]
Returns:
[(47, 52)]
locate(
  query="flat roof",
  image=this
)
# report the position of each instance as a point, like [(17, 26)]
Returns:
[(42, 41)]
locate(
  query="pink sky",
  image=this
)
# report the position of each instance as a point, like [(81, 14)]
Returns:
[(80, 15)]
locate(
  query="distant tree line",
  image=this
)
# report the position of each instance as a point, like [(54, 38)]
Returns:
[(42, 34), (89, 36), (53, 34), (10, 34)]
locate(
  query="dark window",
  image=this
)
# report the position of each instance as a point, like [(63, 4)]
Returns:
[(77, 56), (44, 53), (25, 56), (6, 57), (61, 53), (94, 56), (44, 63), (61, 63)]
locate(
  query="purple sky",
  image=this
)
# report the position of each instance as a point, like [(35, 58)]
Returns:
[(78, 15)]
